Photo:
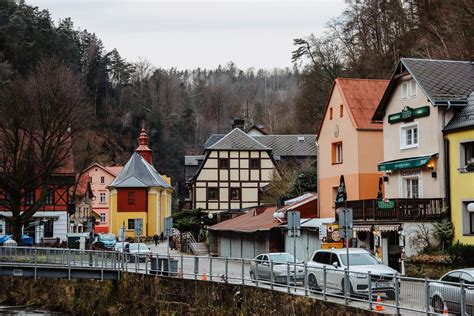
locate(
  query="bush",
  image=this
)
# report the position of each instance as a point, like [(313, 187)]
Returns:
[(462, 254)]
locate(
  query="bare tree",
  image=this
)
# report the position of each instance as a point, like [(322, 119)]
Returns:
[(39, 117)]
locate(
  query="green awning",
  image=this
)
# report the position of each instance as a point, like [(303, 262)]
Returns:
[(407, 163)]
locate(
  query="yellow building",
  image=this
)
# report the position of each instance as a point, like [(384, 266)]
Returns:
[(460, 133), (140, 192)]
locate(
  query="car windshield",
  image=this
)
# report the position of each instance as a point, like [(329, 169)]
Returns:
[(359, 259), (107, 237), (282, 258), (138, 246)]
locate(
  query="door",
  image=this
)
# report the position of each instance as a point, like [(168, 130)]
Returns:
[(335, 275), (319, 261), (264, 268), (451, 292)]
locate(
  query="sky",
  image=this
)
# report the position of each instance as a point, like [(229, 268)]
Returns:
[(187, 34)]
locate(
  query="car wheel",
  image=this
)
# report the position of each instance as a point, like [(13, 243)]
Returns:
[(437, 304), (312, 282)]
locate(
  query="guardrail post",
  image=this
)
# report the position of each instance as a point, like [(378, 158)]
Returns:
[(210, 268), (196, 267), (463, 299), (324, 283), (242, 270), (397, 293), (256, 273), (346, 286), (69, 265), (36, 262), (226, 270), (305, 279), (288, 276), (271, 274), (369, 291), (427, 296)]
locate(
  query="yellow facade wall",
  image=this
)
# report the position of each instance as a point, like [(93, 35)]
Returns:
[(461, 185)]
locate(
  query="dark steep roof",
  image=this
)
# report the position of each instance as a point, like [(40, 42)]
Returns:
[(138, 173), (463, 119), (237, 140), (442, 81), (281, 145)]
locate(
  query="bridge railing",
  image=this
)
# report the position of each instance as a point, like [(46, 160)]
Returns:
[(357, 287)]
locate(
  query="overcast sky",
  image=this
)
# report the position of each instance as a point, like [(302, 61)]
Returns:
[(194, 33)]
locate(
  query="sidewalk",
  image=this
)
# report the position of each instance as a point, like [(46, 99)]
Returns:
[(162, 249)]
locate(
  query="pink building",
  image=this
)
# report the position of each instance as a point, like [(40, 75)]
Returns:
[(100, 177)]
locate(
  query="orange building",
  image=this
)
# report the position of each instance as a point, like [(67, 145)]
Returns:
[(349, 143)]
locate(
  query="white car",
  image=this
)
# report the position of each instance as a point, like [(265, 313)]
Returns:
[(273, 266), (138, 251), (360, 263)]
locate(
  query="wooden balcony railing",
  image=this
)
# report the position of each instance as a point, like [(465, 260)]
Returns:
[(401, 210)]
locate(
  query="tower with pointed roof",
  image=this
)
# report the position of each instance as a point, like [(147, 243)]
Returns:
[(140, 192)]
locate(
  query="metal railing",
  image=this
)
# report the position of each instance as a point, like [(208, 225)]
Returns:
[(366, 290)]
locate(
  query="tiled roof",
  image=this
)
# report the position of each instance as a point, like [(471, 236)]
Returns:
[(256, 219), (289, 145), (362, 97), (281, 145), (115, 169), (463, 119), (442, 80), (138, 173), (237, 140)]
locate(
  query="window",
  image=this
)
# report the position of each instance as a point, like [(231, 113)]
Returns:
[(90, 179), (337, 153), (323, 257), (235, 194), (452, 277), (102, 180), (341, 110), (30, 198), (131, 224), (334, 258), (471, 223), (467, 219), (102, 217), (467, 278), (254, 163), (212, 193), (409, 136), (223, 163), (131, 198), (330, 113), (404, 90), (467, 157), (49, 228), (412, 88), (49, 200), (102, 197), (412, 188)]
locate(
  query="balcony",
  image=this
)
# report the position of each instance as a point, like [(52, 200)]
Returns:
[(398, 209)]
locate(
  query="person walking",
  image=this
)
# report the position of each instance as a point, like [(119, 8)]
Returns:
[(155, 239)]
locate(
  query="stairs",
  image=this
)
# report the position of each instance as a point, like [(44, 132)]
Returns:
[(200, 249)]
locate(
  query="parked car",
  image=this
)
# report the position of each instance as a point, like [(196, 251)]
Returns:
[(360, 263), (120, 246), (263, 265), (138, 252), (104, 241), (448, 291)]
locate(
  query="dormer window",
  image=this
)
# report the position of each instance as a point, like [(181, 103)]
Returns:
[(300, 139)]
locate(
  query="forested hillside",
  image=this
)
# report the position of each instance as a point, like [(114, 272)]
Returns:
[(181, 108)]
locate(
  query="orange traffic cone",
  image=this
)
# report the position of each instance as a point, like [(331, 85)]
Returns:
[(378, 307), (445, 310), (204, 276)]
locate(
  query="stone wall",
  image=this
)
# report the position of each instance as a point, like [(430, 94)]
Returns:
[(148, 295)]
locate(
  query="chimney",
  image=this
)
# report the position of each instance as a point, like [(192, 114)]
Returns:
[(238, 123), (143, 148)]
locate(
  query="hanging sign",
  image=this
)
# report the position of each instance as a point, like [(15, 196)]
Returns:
[(408, 114), (385, 204)]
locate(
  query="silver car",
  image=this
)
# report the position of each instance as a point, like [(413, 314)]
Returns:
[(360, 263), (448, 291), (273, 266)]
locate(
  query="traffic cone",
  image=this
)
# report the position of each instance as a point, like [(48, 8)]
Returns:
[(204, 277), (445, 310), (378, 307)]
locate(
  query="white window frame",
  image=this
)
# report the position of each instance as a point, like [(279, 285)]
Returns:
[(403, 189), (403, 129), (338, 158), (466, 218), (404, 91), (103, 218), (103, 194), (413, 88), (462, 155)]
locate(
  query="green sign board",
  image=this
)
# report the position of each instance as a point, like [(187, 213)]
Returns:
[(409, 163), (408, 114), (385, 204)]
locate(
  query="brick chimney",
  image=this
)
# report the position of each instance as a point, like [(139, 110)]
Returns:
[(143, 148)]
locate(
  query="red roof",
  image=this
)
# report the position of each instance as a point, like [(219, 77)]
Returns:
[(362, 96), (256, 219), (115, 169)]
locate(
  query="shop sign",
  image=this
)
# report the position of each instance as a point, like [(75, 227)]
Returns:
[(408, 114), (385, 204)]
